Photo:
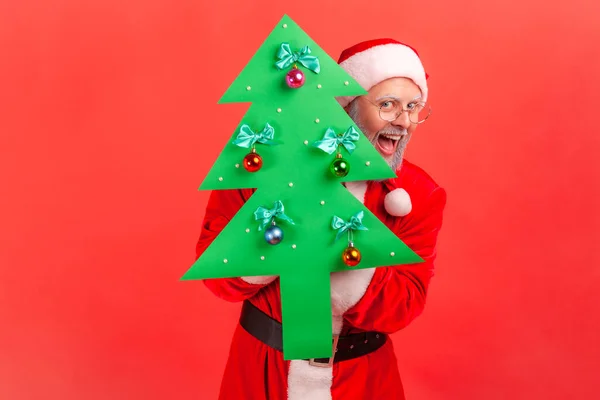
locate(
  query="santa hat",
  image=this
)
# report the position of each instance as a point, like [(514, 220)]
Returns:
[(376, 60)]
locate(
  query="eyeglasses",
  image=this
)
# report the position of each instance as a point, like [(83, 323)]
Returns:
[(390, 109)]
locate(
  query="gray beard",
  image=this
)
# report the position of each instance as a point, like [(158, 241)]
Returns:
[(396, 160)]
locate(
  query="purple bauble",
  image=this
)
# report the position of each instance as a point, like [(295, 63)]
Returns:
[(294, 78), (274, 235)]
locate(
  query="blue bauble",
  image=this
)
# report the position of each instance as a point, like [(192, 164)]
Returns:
[(273, 235)]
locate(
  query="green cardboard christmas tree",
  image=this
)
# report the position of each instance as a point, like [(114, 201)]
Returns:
[(296, 145)]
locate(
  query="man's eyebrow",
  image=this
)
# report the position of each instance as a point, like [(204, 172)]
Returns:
[(393, 97), (388, 96)]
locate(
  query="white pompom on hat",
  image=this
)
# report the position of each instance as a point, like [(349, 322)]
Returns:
[(397, 203), (376, 60)]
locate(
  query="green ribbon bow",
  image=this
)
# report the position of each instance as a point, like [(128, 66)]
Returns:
[(267, 215), (287, 57), (331, 140), (247, 137), (354, 224)]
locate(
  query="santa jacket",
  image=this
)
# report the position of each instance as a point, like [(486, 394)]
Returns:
[(384, 299)]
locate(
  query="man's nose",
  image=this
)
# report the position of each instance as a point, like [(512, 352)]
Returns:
[(402, 120)]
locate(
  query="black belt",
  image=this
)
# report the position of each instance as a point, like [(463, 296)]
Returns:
[(269, 331)]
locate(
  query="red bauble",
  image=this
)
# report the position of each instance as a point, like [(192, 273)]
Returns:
[(351, 256), (294, 78), (252, 162)]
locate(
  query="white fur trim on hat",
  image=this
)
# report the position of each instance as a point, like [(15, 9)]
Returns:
[(382, 62), (397, 203)]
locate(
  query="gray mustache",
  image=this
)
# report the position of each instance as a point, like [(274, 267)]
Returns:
[(392, 131)]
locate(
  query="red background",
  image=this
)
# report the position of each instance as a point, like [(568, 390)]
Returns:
[(109, 121)]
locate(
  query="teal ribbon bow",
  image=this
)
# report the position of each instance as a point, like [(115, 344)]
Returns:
[(331, 140), (266, 215), (287, 57), (247, 137), (355, 224)]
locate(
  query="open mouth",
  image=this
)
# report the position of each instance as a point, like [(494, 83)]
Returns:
[(387, 144)]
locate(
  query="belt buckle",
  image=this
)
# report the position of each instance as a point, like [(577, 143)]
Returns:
[(328, 364)]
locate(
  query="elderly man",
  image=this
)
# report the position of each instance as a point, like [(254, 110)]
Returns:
[(368, 304)]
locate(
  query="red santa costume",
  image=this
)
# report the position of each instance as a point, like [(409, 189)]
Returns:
[(381, 300)]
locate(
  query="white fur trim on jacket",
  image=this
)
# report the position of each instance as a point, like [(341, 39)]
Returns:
[(382, 62), (348, 287), (306, 382), (358, 189)]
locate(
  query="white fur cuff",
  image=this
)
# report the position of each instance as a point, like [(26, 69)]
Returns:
[(259, 280)]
